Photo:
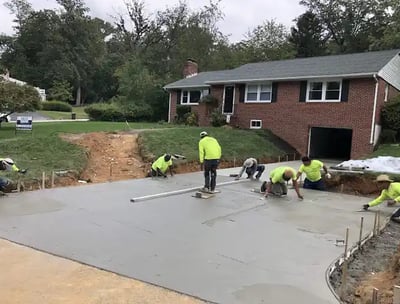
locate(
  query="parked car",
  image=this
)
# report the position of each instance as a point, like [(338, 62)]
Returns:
[(4, 117)]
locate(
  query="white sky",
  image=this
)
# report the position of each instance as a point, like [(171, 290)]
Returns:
[(240, 15)]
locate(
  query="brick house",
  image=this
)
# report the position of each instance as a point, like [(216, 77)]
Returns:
[(326, 107)]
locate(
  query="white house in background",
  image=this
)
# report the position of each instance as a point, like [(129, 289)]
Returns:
[(6, 77)]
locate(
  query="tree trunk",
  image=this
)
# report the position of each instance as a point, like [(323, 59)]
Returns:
[(78, 96)]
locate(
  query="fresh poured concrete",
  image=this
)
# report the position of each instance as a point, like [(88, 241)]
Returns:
[(233, 248)]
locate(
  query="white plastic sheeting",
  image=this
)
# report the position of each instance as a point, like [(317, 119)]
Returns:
[(388, 164)]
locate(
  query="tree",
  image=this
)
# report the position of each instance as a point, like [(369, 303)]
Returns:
[(21, 9), (18, 98), (308, 37), (388, 36), (268, 41), (61, 91), (350, 23)]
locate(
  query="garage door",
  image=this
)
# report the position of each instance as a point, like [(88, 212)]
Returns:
[(333, 143)]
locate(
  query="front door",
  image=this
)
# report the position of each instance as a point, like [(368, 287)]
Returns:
[(229, 93)]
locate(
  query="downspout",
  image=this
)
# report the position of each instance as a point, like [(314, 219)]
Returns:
[(371, 141), (169, 108)]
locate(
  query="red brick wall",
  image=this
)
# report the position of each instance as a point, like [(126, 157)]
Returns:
[(291, 120)]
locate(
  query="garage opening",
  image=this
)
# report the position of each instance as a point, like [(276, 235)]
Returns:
[(331, 143)]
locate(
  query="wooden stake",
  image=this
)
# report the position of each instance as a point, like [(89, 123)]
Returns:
[(375, 296), (19, 185), (341, 188), (234, 162), (294, 156), (361, 230), (287, 157), (52, 179), (375, 222), (396, 294), (344, 267), (111, 171), (43, 180), (279, 159)]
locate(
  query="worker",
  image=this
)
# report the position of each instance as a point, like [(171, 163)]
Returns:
[(7, 164), (312, 169), (161, 165), (277, 182), (390, 193), (251, 166), (209, 155)]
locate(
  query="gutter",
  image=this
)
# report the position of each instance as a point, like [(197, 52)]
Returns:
[(169, 107), (355, 75), (371, 141)]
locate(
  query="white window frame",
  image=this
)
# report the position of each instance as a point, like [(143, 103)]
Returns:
[(324, 87), (259, 85), (191, 90), (255, 121)]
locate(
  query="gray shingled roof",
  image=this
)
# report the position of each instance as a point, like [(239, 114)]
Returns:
[(349, 65)]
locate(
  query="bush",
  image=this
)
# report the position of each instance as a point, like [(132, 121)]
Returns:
[(56, 106), (209, 99), (217, 118), (105, 112), (116, 112), (391, 115), (182, 112), (192, 119), (388, 136), (18, 98)]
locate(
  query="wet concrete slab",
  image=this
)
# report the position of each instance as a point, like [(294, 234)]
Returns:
[(233, 248)]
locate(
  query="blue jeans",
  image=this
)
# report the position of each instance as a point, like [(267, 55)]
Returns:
[(252, 170), (318, 185), (3, 183)]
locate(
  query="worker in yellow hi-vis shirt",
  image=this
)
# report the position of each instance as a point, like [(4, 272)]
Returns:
[(161, 165), (312, 169), (390, 193), (277, 182), (209, 155)]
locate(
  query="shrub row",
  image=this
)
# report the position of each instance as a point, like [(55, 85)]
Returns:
[(115, 112), (59, 106)]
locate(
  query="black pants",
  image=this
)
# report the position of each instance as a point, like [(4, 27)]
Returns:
[(252, 170), (210, 173)]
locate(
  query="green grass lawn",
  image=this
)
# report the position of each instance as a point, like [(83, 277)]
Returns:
[(236, 144), (387, 150), (43, 150), (79, 111)]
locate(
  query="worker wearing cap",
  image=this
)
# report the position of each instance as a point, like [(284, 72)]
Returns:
[(251, 166), (277, 182), (390, 193), (7, 164), (161, 165), (209, 155), (312, 169)]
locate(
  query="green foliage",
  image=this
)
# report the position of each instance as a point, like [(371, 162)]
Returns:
[(388, 136), (308, 36), (210, 99), (18, 98), (217, 118), (391, 115), (115, 112), (54, 105), (182, 112), (192, 119), (61, 90)]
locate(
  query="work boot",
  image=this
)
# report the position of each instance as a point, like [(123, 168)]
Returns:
[(365, 207), (204, 189)]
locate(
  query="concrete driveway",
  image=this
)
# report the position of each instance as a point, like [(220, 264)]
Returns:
[(232, 248)]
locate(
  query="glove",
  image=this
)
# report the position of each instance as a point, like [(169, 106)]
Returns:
[(165, 176), (365, 207), (391, 203), (328, 175), (23, 171), (301, 197)]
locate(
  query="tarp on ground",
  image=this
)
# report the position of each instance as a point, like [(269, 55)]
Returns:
[(385, 164)]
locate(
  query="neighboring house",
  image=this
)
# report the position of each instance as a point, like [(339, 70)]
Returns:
[(326, 107), (6, 77)]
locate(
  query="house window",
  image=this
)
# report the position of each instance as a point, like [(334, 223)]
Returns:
[(324, 90), (259, 92), (255, 124), (190, 97)]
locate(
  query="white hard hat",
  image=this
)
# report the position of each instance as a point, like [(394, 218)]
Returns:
[(8, 161), (202, 134), (248, 163)]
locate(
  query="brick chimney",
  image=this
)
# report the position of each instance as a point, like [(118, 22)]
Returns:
[(190, 68)]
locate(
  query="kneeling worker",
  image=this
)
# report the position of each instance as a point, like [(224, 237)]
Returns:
[(390, 193), (277, 184), (251, 166), (312, 169), (161, 165)]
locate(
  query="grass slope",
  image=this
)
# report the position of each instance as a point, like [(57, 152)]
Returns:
[(235, 143), (387, 150)]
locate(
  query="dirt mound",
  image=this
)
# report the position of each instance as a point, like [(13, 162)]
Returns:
[(353, 184), (111, 156)]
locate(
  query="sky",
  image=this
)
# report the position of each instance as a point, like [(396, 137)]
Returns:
[(240, 16)]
